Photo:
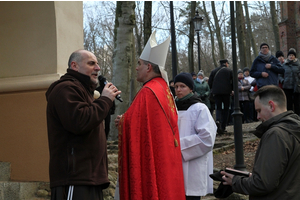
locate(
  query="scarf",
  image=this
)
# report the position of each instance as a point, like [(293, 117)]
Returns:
[(265, 57), (200, 80), (291, 61), (185, 102)]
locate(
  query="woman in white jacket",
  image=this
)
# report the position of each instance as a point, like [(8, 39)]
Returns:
[(197, 131)]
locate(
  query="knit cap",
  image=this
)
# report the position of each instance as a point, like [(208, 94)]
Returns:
[(246, 69), (263, 45), (185, 78), (292, 51), (279, 53), (200, 73)]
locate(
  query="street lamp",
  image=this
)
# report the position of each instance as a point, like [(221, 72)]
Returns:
[(197, 20)]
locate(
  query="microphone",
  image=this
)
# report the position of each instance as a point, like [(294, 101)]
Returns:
[(102, 79)]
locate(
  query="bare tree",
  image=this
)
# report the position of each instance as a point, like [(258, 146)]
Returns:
[(240, 33), (249, 31), (275, 25), (218, 30), (138, 28), (207, 19), (147, 20), (123, 59), (261, 24)]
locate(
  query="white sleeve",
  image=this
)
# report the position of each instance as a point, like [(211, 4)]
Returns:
[(200, 143)]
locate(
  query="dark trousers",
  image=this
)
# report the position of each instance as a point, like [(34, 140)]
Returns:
[(222, 109), (192, 198), (292, 100), (79, 193), (246, 109)]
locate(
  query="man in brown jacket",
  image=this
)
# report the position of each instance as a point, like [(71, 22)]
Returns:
[(77, 143)]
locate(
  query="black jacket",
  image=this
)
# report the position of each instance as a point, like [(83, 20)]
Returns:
[(221, 83)]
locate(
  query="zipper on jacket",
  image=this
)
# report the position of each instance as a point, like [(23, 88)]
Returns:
[(73, 159)]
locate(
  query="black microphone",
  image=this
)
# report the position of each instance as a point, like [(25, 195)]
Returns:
[(102, 79)]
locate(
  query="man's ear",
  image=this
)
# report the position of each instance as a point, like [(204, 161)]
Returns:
[(74, 66), (272, 105), (149, 67)]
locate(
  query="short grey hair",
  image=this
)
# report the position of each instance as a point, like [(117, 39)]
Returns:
[(75, 56), (154, 66)]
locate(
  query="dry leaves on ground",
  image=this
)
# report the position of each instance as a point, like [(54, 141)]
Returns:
[(227, 158)]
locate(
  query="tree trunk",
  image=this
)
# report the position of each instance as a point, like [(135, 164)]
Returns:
[(240, 33), (249, 31), (122, 60), (248, 48), (212, 39), (191, 39), (133, 81), (218, 31), (275, 25), (147, 20)]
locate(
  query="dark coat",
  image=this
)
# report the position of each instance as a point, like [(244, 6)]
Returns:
[(258, 66), (77, 142), (222, 82), (203, 91), (290, 78), (276, 171)]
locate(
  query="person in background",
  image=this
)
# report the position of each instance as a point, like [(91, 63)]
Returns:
[(244, 87), (251, 80), (280, 56), (275, 173), (290, 80), (202, 89), (194, 75), (78, 155), (221, 83), (150, 165), (171, 86), (265, 68), (197, 131)]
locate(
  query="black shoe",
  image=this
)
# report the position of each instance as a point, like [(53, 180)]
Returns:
[(219, 130)]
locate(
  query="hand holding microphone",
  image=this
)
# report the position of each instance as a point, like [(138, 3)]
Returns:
[(110, 90)]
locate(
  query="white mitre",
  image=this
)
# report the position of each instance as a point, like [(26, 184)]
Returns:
[(157, 54)]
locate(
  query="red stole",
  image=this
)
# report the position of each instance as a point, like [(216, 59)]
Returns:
[(150, 165)]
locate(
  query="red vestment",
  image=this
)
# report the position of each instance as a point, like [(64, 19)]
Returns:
[(150, 165)]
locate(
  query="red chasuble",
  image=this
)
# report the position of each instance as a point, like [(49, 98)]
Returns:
[(150, 165)]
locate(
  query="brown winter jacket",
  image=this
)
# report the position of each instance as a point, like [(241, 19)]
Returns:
[(77, 142)]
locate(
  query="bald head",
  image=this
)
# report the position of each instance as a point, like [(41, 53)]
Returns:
[(86, 63), (76, 56)]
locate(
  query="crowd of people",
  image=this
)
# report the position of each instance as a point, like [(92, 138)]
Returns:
[(167, 134)]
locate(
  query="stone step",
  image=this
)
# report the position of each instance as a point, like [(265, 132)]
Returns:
[(10, 190), (4, 171)]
